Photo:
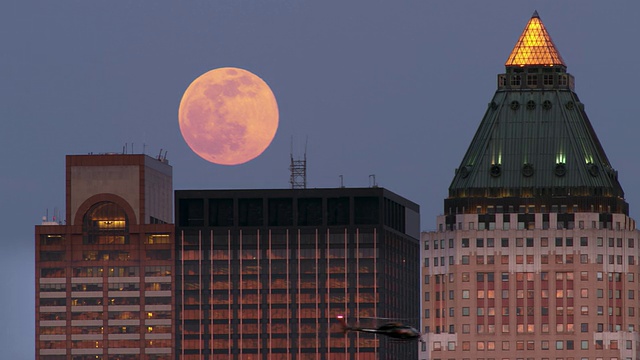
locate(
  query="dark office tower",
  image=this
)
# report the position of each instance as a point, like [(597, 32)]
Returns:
[(104, 277), (263, 274), (535, 256)]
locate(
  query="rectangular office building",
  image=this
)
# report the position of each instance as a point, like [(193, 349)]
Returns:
[(263, 274)]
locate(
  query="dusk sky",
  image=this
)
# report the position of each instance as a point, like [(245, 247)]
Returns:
[(391, 88)]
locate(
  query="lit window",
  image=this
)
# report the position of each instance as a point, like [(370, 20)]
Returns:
[(584, 310)]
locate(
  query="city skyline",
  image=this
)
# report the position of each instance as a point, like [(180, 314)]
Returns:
[(86, 89)]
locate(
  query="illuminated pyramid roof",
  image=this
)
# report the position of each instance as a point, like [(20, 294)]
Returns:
[(535, 46), (535, 144)]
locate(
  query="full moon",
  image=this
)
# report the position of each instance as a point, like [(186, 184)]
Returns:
[(228, 116)]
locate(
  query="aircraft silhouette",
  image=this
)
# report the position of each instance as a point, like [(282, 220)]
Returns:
[(393, 330)]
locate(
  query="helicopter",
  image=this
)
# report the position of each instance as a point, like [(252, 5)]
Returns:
[(395, 330)]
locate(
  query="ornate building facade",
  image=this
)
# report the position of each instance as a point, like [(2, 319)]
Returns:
[(536, 256)]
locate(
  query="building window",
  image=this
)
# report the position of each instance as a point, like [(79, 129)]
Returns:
[(584, 258), (105, 223), (515, 80)]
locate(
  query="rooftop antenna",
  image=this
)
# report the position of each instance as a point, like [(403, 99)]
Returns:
[(372, 181), (160, 155), (341, 181), (298, 168)]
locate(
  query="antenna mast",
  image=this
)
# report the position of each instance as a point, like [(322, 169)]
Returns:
[(298, 169)]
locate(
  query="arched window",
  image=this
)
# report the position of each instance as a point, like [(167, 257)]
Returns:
[(105, 223)]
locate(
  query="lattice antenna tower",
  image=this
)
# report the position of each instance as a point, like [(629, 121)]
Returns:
[(298, 169)]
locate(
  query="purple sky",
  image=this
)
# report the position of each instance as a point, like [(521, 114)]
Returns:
[(395, 89)]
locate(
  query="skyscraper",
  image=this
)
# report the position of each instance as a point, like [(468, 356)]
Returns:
[(263, 274), (104, 279), (536, 256)]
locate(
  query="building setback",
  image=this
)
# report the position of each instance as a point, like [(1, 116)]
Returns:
[(104, 279), (263, 274), (535, 256)]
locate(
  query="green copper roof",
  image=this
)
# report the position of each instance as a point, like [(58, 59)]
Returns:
[(535, 140)]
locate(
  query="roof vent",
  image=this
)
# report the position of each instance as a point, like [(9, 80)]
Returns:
[(546, 105), (593, 169), (527, 170), (561, 170), (495, 170), (570, 105), (531, 105), (464, 172), (515, 105)]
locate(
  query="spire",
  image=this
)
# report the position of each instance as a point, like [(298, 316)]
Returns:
[(535, 145), (535, 46)]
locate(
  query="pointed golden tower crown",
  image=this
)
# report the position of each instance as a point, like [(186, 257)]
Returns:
[(535, 47)]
